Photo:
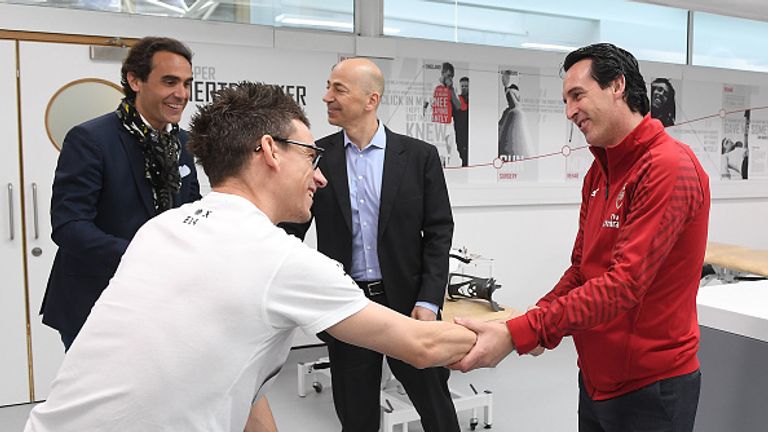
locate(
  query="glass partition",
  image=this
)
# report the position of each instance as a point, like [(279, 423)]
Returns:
[(335, 15), (728, 42), (651, 32)]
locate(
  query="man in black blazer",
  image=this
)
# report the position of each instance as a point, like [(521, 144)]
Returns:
[(385, 215), (114, 173)]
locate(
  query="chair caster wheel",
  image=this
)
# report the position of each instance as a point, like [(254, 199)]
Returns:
[(473, 424)]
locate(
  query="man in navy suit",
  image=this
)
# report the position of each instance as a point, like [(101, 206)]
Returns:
[(114, 173), (385, 215)]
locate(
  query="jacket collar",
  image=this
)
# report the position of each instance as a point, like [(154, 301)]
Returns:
[(395, 161), (136, 161), (619, 159), (334, 159)]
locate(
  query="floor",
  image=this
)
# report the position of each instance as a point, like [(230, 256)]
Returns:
[(530, 394)]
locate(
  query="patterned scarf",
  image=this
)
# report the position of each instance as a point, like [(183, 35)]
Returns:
[(161, 155)]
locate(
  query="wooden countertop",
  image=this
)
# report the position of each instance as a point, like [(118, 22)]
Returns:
[(737, 258), (475, 309)]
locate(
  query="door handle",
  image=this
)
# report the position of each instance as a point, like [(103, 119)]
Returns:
[(10, 210), (34, 210)]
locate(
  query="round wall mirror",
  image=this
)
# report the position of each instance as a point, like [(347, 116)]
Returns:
[(78, 102)]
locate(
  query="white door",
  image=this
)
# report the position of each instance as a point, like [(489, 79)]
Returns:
[(47, 69), (13, 335)]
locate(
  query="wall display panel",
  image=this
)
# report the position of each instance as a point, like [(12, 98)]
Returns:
[(423, 99), (301, 74), (697, 123), (528, 140), (724, 123), (536, 142)]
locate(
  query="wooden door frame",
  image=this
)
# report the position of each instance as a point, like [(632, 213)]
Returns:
[(67, 38)]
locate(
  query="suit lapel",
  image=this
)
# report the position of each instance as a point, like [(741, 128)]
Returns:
[(395, 158), (336, 161), (136, 161)]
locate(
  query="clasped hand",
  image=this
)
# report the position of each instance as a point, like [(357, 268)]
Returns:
[(493, 344)]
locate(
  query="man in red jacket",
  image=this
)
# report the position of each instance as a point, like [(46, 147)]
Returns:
[(629, 297)]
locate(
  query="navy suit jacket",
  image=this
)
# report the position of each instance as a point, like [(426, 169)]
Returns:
[(415, 226), (100, 199)]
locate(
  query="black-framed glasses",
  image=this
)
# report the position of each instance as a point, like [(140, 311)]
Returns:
[(318, 150)]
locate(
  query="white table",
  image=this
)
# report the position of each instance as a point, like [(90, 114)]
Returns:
[(739, 308), (733, 320)]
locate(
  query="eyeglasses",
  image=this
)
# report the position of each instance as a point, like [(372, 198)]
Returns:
[(318, 150)]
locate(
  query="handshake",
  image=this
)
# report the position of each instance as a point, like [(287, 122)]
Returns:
[(492, 344), (464, 344)]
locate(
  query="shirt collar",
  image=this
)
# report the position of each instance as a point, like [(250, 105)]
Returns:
[(168, 127), (379, 139)]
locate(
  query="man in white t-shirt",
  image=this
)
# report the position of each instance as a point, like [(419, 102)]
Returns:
[(200, 314)]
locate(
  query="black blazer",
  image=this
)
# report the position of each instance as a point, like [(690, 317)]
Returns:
[(415, 220), (100, 199)]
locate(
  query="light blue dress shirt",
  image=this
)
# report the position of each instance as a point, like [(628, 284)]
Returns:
[(365, 169)]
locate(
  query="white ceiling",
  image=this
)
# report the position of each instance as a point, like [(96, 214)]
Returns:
[(750, 9)]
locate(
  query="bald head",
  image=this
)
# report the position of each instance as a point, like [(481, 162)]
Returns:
[(365, 73), (353, 96)]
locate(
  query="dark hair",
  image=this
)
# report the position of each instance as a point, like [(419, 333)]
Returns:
[(667, 112), (464, 79), (139, 59), (447, 67), (225, 132), (724, 144), (608, 63)]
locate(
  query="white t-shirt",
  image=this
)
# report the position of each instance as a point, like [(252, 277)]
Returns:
[(198, 317)]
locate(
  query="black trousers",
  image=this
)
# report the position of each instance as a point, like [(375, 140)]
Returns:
[(356, 385), (665, 406)]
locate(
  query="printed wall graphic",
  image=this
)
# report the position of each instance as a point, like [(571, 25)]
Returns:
[(662, 98), (734, 157), (756, 149), (521, 133), (446, 108), (725, 124), (216, 67), (429, 100), (697, 122), (735, 138), (535, 140), (515, 142)]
